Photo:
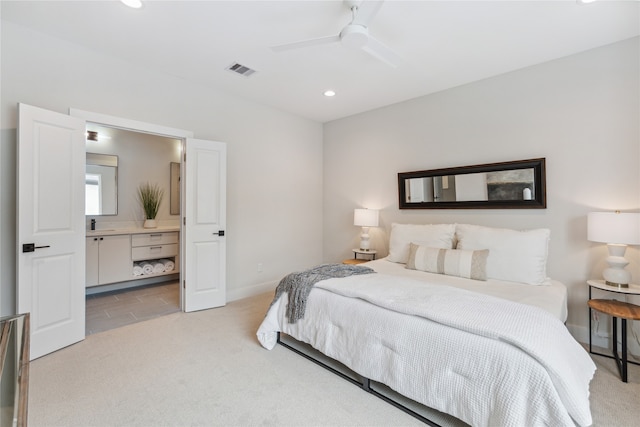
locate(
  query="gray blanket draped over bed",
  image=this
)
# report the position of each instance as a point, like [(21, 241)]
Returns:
[(298, 285)]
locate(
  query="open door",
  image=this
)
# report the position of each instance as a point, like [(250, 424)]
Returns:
[(51, 227), (204, 220)]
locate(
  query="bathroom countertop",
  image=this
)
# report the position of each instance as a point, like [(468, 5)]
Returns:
[(135, 230)]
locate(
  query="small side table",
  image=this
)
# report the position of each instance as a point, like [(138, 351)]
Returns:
[(616, 309), (356, 260)]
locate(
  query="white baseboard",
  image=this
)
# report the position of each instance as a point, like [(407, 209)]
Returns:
[(132, 284), (581, 334), (260, 288), (603, 339)]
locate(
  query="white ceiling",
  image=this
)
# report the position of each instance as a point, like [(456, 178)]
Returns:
[(443, 43)]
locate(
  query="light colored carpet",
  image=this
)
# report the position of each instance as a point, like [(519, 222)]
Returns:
[(207, 368)]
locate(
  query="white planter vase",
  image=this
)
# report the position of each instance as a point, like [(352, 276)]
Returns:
[(150, 223)]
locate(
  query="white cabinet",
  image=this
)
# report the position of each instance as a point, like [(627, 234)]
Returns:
[(155, 254), (149, 246), (115, 258), (108, 259)]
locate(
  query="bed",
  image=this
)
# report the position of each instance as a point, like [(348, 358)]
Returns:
[(458, 318)]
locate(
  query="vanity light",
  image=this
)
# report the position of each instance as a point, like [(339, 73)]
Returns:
[(617, 230), (92, 136), (329, 93), (135, 4), (365, 218)]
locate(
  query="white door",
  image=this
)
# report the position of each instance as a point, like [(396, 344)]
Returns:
[(51, 227), (204, 213)]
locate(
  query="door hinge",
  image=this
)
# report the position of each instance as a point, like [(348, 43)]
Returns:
[(185, 157), (184, 220), (184, 284)]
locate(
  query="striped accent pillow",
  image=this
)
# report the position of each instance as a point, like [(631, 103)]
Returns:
[(452, 262)]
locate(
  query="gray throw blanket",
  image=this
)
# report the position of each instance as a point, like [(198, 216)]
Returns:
[(299, 284)]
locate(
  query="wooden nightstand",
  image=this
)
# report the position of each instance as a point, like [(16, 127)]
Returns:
[(616, 309), (356, 260)]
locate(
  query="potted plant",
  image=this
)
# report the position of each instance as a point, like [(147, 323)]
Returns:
[(150, 195)]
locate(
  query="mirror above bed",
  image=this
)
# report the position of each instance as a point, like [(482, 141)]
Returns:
[(508, 185)]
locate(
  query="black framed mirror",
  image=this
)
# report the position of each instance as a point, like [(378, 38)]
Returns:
[(508, 185)]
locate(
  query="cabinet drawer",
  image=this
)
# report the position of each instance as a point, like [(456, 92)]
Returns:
[(154, 252), (147, 239)]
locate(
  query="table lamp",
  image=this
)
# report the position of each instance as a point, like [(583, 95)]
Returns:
[(365, 218), (617, 230)]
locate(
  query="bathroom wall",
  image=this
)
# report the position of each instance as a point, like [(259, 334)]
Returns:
[(142, 158)]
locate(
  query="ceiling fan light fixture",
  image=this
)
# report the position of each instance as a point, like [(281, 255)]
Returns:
[(354, 36), (134, 4)]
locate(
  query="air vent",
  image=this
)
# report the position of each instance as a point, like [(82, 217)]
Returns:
[(243, 70)]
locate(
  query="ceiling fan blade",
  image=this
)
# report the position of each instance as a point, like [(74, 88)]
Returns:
[(378, 50), (306, 43), (366, 12)]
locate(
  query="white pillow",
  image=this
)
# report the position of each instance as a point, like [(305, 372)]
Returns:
[(452, 262), (514, 256), (433, 235)]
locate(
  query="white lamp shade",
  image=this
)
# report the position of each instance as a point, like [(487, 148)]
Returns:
[(614, 228), (365, 217)]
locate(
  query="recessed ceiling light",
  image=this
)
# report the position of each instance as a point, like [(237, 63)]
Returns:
[(329, 93), (136, 4)]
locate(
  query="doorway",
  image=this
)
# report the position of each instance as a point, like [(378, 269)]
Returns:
[(142, 158), (51, 281)]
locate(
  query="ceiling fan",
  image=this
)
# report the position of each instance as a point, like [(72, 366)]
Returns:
[(354, 35)]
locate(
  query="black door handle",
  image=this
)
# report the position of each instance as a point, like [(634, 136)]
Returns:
[(31, 247), (219, 233)]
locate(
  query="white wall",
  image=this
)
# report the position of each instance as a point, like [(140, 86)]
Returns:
[(580, 112), (273, 207)]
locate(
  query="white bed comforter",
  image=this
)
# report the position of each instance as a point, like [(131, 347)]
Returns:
[(484, 360)]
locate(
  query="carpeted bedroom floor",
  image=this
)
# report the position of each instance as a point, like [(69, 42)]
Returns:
[(207, 368)]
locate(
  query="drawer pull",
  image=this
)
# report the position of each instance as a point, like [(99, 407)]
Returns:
[(155, 247), (155, 235)]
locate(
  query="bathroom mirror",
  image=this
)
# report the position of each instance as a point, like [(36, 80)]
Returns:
[(101, 184), (174, 188), (507, 185)]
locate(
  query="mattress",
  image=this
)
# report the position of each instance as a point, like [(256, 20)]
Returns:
[(551, 297), (484, 359)]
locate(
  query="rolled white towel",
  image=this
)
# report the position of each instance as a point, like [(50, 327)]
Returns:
[(147, 267), (137, 270), (168, 264), (158, 267)]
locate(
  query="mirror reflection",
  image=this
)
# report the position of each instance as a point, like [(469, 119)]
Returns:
[(517, 184), (503, 185), (101, 184)]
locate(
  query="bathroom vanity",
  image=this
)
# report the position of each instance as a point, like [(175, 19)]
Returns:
[(111, 255)]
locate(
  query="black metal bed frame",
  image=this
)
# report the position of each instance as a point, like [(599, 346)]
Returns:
[(364, 385)]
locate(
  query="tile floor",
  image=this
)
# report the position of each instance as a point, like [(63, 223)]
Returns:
[(114, 309)]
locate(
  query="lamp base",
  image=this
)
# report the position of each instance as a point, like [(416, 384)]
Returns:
[(364, 239), (616, 275), (616, 285)]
